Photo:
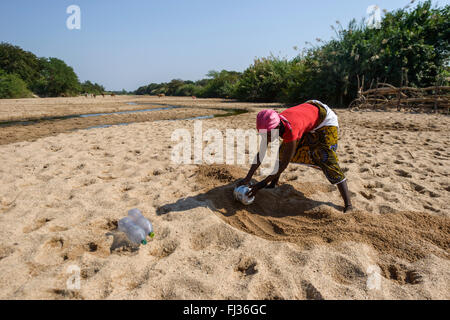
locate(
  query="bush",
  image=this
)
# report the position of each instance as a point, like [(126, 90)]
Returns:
[(410, 48), (13, 87), (94, 88), (47, 77), (189, 89), (220, 84), (24, 64), (56, 79), (265, 80)]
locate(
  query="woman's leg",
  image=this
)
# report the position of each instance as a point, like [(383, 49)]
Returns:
[(324, 155), (343, 189), (301, 156)]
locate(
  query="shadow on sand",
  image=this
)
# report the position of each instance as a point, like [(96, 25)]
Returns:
[(283, 201)]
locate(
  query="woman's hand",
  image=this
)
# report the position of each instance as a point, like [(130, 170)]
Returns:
[(254, 189), (244, 182)]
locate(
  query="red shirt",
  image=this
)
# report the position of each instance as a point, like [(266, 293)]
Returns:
[(303, 118)]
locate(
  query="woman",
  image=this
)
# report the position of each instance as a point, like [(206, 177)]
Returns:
[(310, 136)]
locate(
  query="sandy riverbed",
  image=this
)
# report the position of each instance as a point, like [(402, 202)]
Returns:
[(62, 195)]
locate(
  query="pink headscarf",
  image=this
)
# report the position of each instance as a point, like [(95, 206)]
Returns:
[(269, 120)]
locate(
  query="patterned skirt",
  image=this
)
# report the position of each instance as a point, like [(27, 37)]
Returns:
[(318, 149)]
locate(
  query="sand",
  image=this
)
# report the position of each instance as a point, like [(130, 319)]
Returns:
[(62, 195)]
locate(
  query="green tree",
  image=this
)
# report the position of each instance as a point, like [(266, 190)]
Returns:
[(13, 87), (94, 88), (15, 60), (189, 89), (56, 79), (265, 80), (221, 84), (410, 47)]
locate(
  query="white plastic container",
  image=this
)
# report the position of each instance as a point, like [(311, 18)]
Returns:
[(240, 194), (141, 221), (134, 232)]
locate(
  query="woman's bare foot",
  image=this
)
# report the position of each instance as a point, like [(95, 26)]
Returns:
[(348, 209)]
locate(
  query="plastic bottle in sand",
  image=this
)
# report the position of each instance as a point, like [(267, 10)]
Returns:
[(141, 221), (134, 232)]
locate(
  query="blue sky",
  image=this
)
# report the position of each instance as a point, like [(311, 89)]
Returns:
[(126, 44)]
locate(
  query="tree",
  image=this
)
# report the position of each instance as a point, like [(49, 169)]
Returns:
[(94, 88), (411, 46), (12, 86), (265, 80), (221, 84), (56, 78), (24, 64)]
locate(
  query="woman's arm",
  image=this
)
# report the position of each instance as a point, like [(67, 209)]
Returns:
[(251, 172), (256, 163), (288, 153)]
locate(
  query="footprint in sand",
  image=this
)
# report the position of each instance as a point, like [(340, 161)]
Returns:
[(88, 182), (387, 197), (36, 225), (367, 195), (401, 274), (364, 169), (57, 229), (92, 247), (51, 252), (164, 249), (201, 265), (403, 173), (163, 233), (66, 294), (247, 266), (431, 208), (80, 166), (89, 272), (267, 291), (222, 237), (127, 187), (5, 252), (121, 245), (345, 271), (384, 209), (311, 292), (422, 190), (55, 242), (55, 148), (147, 178)]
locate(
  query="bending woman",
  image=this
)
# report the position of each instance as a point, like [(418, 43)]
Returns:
[(310, 136)]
